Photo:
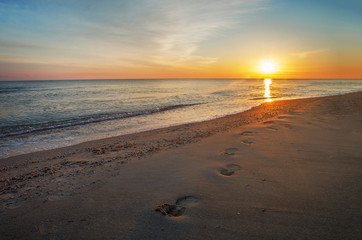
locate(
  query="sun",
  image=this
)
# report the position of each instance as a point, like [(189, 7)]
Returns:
[(268, 67)]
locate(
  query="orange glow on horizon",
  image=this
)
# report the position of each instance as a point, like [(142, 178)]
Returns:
[(236, 68)]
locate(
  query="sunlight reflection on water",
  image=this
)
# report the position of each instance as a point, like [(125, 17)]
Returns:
[(267, 83)]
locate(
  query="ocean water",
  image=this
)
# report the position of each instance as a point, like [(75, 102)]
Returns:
[(41, 115)]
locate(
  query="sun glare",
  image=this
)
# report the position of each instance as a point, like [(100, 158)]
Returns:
[(268, 67), (267, 83)]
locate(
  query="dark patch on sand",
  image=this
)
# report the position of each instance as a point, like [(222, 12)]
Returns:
[(285, 117), (287, 125), (274, 128)]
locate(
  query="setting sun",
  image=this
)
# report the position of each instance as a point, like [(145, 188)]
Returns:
[(268, 67)]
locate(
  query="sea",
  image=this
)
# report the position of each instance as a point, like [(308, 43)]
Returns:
[(43, 115)]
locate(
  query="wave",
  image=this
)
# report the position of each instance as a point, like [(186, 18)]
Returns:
[(25, 129), (11, 89)]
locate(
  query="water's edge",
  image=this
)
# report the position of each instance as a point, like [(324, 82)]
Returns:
[(71, 149)]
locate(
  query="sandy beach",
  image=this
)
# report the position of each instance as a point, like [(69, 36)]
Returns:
[(283, 170)]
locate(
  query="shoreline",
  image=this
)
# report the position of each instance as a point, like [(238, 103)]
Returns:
[(56, 152), (234, 99), (250, 174)]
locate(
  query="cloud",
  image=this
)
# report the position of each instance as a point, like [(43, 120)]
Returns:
[(118, 34), (162, 32), (308, 53)]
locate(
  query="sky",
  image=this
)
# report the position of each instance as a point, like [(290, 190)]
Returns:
[(117, 39)]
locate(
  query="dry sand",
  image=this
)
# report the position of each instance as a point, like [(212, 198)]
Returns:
[(282, 170)]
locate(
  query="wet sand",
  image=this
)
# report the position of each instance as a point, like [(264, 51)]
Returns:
[(282, 170)]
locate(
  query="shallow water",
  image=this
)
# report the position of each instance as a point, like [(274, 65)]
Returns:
[(40, 115)]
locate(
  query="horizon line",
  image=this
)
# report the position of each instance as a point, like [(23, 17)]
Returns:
[(87, 79)]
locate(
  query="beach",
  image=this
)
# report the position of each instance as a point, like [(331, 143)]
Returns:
[(286, 169), (43, 115)]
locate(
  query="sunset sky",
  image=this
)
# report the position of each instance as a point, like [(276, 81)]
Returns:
[(49, 39)]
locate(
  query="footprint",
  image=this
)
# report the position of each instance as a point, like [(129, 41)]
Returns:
[(229, 169), (186, 201), (230, 151), (177, 209), (248, 141), (13, 203), (248, 133)]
